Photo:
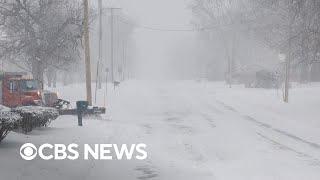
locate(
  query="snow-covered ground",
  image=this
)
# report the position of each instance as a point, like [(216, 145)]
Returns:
[(193, 130)]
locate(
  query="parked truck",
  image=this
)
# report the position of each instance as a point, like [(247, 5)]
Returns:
[(20, 89)]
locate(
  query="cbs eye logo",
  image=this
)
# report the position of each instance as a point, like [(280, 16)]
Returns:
[(28, 151)]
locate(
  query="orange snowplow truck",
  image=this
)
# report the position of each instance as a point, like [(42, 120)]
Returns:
[(19, 89)]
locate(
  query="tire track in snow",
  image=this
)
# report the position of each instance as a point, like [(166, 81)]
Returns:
[(147, 172), (313, 160), (175, 117), (180, 117), (230, 108), (147, 128), (268, 126), (209, 120), (186, 130), (195, 155), (177, 121), (312, 144), (282, 132), (301, 142)]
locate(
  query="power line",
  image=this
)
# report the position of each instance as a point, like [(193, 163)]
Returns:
[(171, 30)]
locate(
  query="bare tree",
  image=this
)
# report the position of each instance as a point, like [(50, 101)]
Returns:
[(287, 26), (41, 34)]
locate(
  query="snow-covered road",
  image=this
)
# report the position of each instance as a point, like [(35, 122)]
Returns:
[(192, 131)]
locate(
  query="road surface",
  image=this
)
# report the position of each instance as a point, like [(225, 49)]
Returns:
[(190, 132)]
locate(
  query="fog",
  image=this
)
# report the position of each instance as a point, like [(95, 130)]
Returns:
[(155, 55), (192, 39), (166, 45), (212, 89)]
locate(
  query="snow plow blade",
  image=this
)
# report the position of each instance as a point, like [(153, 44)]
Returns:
[(89, 111)]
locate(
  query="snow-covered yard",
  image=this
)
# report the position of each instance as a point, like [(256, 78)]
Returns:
[(193, 130)]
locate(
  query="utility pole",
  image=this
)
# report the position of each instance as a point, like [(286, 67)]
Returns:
[(112, 36), (288, 60), (229, 71), (100, 40), (87, 50), (287, 77), (106, 92), (98, 76), (112, 42), (123, 59)]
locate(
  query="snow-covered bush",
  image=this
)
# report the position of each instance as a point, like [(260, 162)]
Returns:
[(34, 116), (8, 121), (4, 108)]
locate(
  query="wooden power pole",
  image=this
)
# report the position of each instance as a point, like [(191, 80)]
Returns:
[(112, 41), (287, 79), (98, 75), (100, 45), (100, 42), (288, 60), (87, 50)]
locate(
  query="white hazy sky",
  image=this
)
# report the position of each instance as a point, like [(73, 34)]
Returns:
[(154, 48), (164, 13)]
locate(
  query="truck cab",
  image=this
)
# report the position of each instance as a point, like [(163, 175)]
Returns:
[(18, 90)]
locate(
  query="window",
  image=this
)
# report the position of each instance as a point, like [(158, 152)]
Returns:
[(29, 85), (13, 86)]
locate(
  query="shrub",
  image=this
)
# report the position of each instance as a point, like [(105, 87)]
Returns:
[(34, 116), (8, 122)]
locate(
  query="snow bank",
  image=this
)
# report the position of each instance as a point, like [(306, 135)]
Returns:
[(35, 116), (8, 121)]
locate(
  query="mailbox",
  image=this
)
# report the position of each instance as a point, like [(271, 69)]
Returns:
[(81, 107)]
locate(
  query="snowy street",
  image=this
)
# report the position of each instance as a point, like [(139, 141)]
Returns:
[(160, 90), (193, 130)]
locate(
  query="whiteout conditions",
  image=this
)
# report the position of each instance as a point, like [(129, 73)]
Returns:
[(47, 151)]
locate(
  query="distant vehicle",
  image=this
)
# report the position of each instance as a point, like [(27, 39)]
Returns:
[(267, 79), (258, 78), (116, 83), (19, 89)]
